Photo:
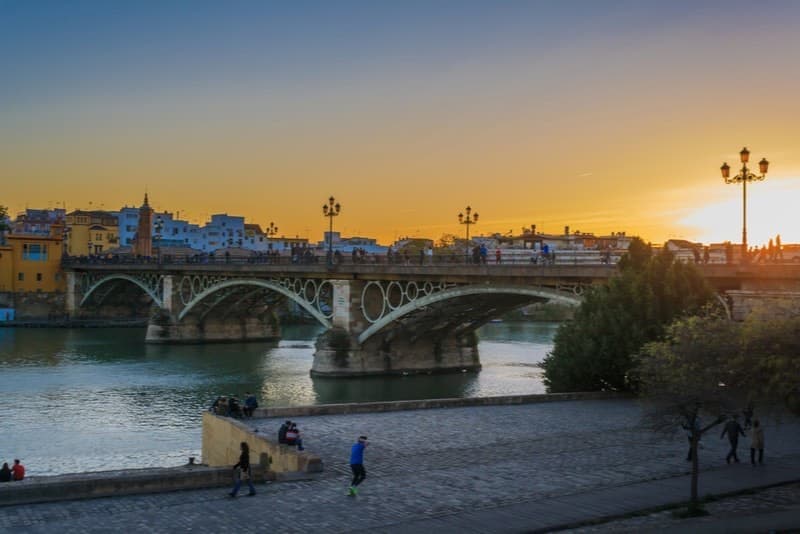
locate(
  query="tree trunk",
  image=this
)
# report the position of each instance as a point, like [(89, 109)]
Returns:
[(695, 466)]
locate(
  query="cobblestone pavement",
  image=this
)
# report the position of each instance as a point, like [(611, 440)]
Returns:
[(785, 498), (420, 464)]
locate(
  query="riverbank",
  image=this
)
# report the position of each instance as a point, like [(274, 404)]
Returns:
[(531, 467)]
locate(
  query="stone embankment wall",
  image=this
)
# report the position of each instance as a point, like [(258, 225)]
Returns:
[(35, 306), (426, 404), (221, 440)]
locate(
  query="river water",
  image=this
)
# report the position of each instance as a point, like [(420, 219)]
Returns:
[(96, 399)]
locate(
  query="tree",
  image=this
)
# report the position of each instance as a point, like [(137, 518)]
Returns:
[(716, 367), (687, 375), (594, 351)]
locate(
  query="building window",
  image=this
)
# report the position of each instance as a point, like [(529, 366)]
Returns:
[(38, 277), (98, 237), (58, 277), (21, 277), (34, 252)]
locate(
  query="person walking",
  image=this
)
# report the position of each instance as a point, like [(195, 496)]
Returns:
[(757, 443), (357, 464), (733, 429), (242, 471)]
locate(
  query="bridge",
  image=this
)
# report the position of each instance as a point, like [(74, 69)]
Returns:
[(378, 319)]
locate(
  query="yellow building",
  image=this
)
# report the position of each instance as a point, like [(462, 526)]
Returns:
[(32, 262), (91, 232), (6, 268)]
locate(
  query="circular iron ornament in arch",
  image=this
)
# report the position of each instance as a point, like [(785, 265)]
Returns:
[(310, 291), (197, 285), (412, 291), (324, 298), (394, 295), (297, 287), (372, 318), (427, 288), (185, 290)]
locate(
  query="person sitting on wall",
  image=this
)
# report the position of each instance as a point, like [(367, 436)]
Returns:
[(235, 408), (293, 437), (5, 473), (18, 471), (250, 404), (282, 431), (222, 407), (215, 405)]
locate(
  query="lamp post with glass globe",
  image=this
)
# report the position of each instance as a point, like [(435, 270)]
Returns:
[(331, 210), (158, 226), (468, 220), (744, 177)]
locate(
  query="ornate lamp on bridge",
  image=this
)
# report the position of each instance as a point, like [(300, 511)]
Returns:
[(744, 177), (331, 210), (469, 219), (158, 226), (270, 231)]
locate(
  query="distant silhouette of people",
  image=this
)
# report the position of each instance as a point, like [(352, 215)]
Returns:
[(734, 430), (757, 443), (778, 251)]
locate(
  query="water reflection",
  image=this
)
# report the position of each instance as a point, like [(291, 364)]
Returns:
[(91, 399)]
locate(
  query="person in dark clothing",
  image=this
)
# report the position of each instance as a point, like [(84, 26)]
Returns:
[(733, 429), (357, 464), (242, 472), (5, 473), (250, 404), (282, 431), (757, 443)]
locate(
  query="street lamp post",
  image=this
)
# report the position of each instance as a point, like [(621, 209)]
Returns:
[(159, 225), (468, 220), (271, 231), (331, 210), (744, 177)]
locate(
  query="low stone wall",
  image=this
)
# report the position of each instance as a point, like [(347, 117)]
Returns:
[(394, 406), (221, 440), (109, 483)]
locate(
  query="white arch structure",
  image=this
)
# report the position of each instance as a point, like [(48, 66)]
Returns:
[(150, 292), (306, 305), (465, 291)]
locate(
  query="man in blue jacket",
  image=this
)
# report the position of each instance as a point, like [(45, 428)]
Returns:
[(357, 464)]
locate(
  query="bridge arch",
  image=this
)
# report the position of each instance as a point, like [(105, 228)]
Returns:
[(465, 291), (152, 293), (306, 305)]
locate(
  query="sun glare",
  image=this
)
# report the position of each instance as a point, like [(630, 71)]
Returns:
[(771, 209)]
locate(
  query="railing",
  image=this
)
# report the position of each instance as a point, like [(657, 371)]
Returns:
[(533, 259)]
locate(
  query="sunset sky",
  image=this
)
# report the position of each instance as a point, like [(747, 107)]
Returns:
[(601, 115)]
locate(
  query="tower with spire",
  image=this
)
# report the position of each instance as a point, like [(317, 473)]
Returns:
[(143, 242)]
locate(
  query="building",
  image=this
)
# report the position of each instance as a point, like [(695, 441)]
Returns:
[(91, 232), (36, 221), (32, 262), (143, 241)]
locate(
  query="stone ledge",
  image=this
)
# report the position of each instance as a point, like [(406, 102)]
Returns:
[(394, 406), (126, 482)]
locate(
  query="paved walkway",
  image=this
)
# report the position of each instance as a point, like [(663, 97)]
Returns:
[(477, 469)]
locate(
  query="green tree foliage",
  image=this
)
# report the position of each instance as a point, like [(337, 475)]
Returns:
[(712, 367), (595, 350)]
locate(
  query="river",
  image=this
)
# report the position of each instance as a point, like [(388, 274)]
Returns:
[(98, 399)]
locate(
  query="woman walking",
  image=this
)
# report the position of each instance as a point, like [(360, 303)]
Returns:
[(242, 472), (757, 443)]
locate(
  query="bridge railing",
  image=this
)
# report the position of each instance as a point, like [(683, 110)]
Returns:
[(528, 258)]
